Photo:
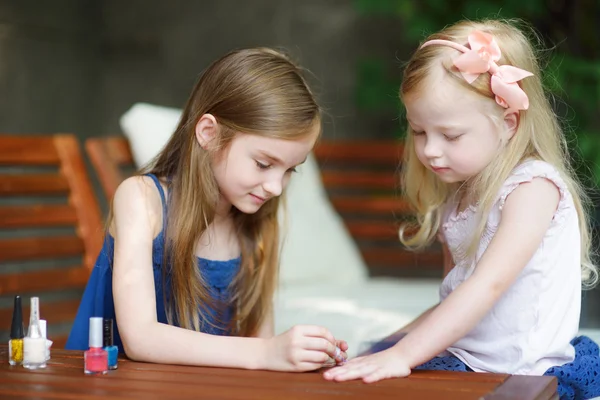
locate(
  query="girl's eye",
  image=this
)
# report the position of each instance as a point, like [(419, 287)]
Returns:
[(262, 166), (419, 133), (452, 138), (292, 170)]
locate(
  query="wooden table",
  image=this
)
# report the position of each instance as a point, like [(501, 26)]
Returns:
[(63, 378)]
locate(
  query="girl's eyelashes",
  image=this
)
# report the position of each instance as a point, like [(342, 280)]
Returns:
[(447, 137), (267, 166), (452, 138), (261, 165)]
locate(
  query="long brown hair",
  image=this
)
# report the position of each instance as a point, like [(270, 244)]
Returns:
[(539, 136), (252, 91)]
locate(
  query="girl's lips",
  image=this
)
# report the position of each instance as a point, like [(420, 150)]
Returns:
[(440, 169), (258, 198)]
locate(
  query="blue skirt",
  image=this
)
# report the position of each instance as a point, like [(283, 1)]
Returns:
[(579, 379)]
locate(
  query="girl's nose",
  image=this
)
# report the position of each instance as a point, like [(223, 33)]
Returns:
[(432, 148), (274, 186)]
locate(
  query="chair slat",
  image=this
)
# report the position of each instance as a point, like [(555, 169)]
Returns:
[(378, 152), (82, 197), (119, 150), (35, 248), (54, 312), (370, 205), (33, 184), (106, 155), (41, 215), (37, 281), (373, 230), (359, 180), (81, 213), (28, 150)]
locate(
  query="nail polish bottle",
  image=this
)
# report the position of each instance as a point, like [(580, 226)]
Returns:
[(95, 359), (109, 346), (34, 345), (15, 344), (43, 326)]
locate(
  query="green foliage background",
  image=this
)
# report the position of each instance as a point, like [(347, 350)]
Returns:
[(570, 60)]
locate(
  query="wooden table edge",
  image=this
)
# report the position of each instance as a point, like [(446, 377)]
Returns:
[(523, 387)]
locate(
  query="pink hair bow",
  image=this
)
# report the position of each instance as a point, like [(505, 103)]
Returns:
[(481, 58)]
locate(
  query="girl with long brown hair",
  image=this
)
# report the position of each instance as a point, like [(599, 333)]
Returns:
[(190, 262)]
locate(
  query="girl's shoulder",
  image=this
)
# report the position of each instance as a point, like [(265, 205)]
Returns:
[(534, 167), (529, 170), (140, 195)]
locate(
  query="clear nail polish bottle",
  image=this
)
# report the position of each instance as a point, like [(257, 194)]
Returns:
[(95, 359), (34, 345)]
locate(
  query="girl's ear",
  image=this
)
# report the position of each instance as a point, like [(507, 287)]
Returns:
[(206, 130), (511, 123)]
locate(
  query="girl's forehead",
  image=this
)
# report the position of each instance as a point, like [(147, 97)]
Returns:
[(446, 100), (287, 151)]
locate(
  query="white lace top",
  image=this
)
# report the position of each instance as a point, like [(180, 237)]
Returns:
[(529, 329)]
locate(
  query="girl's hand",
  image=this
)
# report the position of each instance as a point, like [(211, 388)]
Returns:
[(342, 357), (302, 348), (373, 368)]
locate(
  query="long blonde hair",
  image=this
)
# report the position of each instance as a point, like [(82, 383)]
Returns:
[(251, 91), (538, 136)]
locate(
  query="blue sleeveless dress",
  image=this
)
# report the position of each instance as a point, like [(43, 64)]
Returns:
[(97, 300)]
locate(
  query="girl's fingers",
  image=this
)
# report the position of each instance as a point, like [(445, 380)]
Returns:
[(340, 356), (342, 345), (349, 366), (320, 339), (315, 357), (308, 366), (319, 344), (373, 377), (318, 332), (333, 372), (355, 371)]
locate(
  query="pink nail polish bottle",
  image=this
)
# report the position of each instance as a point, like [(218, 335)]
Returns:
[(96, 358)]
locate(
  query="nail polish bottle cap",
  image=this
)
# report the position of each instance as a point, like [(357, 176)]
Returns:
[(16, 328), (108, 332), (43, 328), (95, 332)]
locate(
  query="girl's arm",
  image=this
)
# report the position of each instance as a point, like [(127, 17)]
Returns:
[(526, 217), (137, 219)]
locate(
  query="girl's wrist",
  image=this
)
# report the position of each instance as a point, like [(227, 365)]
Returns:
[(400, 351), (259, 357)]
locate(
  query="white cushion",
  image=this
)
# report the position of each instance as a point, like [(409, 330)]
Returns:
[(316, 244), (317, 247), (148, 128)]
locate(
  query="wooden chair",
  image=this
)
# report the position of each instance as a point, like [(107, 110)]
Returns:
[(360, 178), (52, 228)]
